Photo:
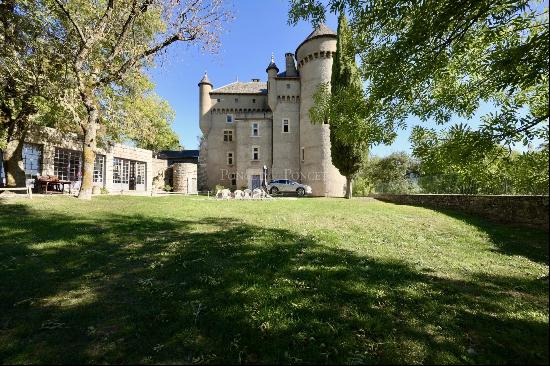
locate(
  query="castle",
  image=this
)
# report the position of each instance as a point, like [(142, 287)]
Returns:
[(250, 126)]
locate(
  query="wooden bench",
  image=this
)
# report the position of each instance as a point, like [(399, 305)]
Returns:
[(28, 189)]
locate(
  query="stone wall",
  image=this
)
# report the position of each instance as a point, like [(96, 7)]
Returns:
[(528, 211)]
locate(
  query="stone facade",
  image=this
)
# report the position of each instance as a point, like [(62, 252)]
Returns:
[(528, 211), (249, 125)]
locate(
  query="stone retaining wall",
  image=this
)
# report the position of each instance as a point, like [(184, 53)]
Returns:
[(528, 211)]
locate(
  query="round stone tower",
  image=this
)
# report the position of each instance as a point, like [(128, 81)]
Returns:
[(315, 56), (205, 87), (205, 123)]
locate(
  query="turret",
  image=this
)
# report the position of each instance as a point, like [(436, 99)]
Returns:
[(205, 103), (290, 65), (272, 71), (314, 56)]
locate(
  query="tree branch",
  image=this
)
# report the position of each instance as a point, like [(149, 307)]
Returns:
[(71, 19), (151, 51)]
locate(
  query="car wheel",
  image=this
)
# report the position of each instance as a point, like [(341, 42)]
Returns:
[(300, 191), (274, 190)]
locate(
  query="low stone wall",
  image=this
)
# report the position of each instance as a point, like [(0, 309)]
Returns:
[(528, 211)]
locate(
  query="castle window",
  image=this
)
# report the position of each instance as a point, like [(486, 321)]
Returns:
[(230, 158), (288, 86), (236, 100), (255, 153), (285, 125), (233, 178), (227, 135), (255, 129), (303, 154), (253, 100), (229, 118), (219, 100)]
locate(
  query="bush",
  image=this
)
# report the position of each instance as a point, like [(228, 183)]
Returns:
[(104, 190), (361, 187), (218, 187), (168, 188)]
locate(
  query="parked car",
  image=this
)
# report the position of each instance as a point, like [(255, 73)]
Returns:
[(288, 186)]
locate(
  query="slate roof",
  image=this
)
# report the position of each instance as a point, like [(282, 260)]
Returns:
[(205, 80), (177, 154), (283, 75), (240, 87), (321, 31)]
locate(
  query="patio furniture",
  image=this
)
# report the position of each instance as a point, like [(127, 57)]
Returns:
[(54, 183)]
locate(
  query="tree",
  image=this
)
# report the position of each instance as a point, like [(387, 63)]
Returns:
[(394, 173), (138, 115), (352, 131), (110, 41), (461, 161), (30, 79), (438, 58)]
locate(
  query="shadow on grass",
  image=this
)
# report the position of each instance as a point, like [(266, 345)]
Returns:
[(509, 239), (133, 289)]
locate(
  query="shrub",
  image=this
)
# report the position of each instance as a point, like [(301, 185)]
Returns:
[(104, 190), (168, 188)]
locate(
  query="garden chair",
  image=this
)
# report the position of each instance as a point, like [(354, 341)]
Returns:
[(238, 194)]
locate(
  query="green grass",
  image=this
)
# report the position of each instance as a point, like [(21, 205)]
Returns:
[(191, 280)]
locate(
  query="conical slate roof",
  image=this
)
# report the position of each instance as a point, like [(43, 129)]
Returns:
[(272, 64), (321, 31), (205, 80)]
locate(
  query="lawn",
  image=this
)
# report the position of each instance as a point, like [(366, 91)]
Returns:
[(193, 280)]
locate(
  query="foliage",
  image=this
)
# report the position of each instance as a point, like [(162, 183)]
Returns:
[(139, 115), (315, 281), (32, 79), (220, 187), (104, 190), (461, 160), (167, 188), (395, 173), (439, 58)]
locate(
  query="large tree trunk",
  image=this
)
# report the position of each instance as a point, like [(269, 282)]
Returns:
[(89, 148), (348, 187), (13, 164)]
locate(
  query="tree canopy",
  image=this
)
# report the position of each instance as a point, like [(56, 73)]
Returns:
[(110, 42), (439, 58)]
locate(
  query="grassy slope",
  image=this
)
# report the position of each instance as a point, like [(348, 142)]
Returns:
[(173, 279)]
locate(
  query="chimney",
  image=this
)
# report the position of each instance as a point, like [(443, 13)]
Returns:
[(290, 65)]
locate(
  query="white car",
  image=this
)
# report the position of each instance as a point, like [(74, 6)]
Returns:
[(288, 186)]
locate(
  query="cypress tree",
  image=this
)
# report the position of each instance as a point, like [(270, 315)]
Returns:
[(347, 156)]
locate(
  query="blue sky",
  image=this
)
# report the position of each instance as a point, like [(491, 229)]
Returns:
[(260, 27)]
